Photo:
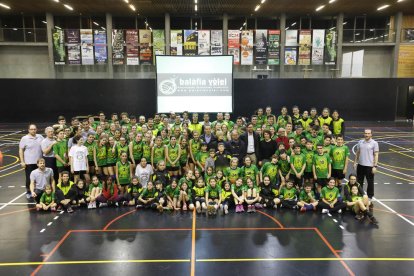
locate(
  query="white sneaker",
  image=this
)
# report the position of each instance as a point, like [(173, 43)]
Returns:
[(325, 211), (340, 211), (94, 205), (90, 206)]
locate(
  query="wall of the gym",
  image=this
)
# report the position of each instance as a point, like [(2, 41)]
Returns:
[(42, 100)]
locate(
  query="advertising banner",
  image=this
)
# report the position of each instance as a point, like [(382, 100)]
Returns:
[(101, 53), (317, 47), (204, 42), (86, 37), (290, 55), (234, 45), (118, 52), (73, 46), (190, 42), (291, 38), (59, 53), (145, 47), (274, 50), (216, 42), (247, 47), (158, 37), (305, 43), (132, 49), (260, 55), (176, 43), (330, 48)]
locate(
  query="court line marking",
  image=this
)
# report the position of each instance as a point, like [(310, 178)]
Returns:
[(389, 208), (13, 200), (303, 259), (11, 173), (402, 153), (193, 243), (272, 218), (6, 169), (18, 211), (18, 204), (117, 218), (95, 262), (391, 144), (385, 211), (16, 160), (397, 199), (16, 132)]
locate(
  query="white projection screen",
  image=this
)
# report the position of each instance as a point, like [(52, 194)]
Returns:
[(194, 84)]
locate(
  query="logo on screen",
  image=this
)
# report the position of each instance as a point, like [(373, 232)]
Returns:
[(168, 86)]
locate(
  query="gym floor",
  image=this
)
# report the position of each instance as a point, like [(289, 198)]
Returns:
[(126, 241)]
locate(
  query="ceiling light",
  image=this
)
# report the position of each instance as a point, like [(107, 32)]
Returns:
[(126, 1), (14, 29), (332, 28), (293, 24), (195, 8), (4, 6), (287, 29), (195, 1), (263, 1), (257, 8), (57, 27), (95, 23), (320, 7), (132, 7), (68, 7), (44, 22), (383, 7), (244, 24), (57, 1), (399, 1), (331, 1), (344, 23), (241, 28)]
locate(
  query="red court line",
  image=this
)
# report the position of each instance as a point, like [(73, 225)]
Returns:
[(117, 218), (193, 242), (333, 251), (385, 211), (131, 230), (19, 211), (250, 229), (51, 252), (272, 218)]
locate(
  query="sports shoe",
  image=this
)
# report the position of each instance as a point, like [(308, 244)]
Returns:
[(94, 205), (249, 208), (325, 211), (53, 209), (222, 208), (241, 208), (371, 207), (258, 206), (373, 220), (125, 203), (116, 204), (237, 208), (303, 209), (160, 208), (185, 207), (139, 206), (359, 216), (226, 210), (59, 208), (275, 206), (28, 196), (253, 209), (90, 205), (340, 211), (70, 210)]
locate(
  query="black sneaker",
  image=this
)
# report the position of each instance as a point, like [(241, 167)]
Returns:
[(373, 220), (70, 210), (371, 207)]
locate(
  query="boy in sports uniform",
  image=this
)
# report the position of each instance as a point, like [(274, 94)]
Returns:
[(321, 168), (288, 195), (329, 198), (60, 149), (307, 201), (297, 166), (270, 169), (340, 158)]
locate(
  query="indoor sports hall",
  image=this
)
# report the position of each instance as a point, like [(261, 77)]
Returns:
[(136, 137)]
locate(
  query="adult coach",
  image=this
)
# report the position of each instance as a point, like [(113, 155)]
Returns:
[(251, 140), (48, 154), (30, 150), (39, 178), (366, 161)]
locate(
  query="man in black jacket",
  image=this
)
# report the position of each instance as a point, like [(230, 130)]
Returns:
[(251, 140), (209, 138), (236, 147)]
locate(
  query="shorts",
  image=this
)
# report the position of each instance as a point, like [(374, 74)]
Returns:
[(338, 174), (190, 161), (322, 182), (91, 163), (80, 173), (297, 181), (308, 175), (110, 165), (200, 199), (62, 169), (123, 185), (250, 198), (176, 168)]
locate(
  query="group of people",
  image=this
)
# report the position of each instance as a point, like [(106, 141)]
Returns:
[(174, 162)]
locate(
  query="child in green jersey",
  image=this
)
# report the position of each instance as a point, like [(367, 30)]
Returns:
[(90, 144), (60, 149), (133, 192), (309, 153), (252, 196), (284, 167), (288, 195), (226, 198), (135, 150), (172, 155), (111, 156), (338, 124), (321, 168), (250, 170), (185, 198), (184, 156), (95, 190), (237, 191), (209, 174), (160, 200), (213, 197), (188, 178), (340, 158), (297, 165), (269, 193), (307, 201), (270, 169), (157, 152), (359, 206), (329, 198), (199, 191), (47, 200), (221, 179), (123, 172), (148, 196), (99, 156), (327, 144), (233, 172), (81, 194), (194, 148), (202, 156)]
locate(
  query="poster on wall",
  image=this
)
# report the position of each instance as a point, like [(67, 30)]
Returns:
[(234, 45), (290, 55), (101, 54), (260, 53), (176, 43), (330, 48), (86, 37), (273, 49), (318, 47), (59, 54), (158, 37), (305, 43), (247, 47), (132, 48), (291, 38), (73, 46), (216, 42), (118, 53), (190, 42), (204, 42), (406, 61), (145, 47)]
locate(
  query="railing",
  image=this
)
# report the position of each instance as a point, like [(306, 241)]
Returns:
[(407, 35), (369, 36), (23, 35)]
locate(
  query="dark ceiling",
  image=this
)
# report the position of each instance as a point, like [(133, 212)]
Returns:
[(207, 7)]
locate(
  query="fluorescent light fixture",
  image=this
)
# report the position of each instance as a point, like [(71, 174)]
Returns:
[(383, 7), (293, 24), (241, 28), (195, 1), (44, 22), (358, 34), (399, 1), (4, 6), (132, 7), (320, 7), (68, 7), (257, 8), (195, 8), (126, 1), (332, 28), (95, 23), (244, 24), (287, 29), (331, 1), (344, 23), (262, 1), (57, 27), (14, 29), (103, 28), (57, 1), (29, 32)]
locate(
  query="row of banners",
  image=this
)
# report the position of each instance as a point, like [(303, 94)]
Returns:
[(248, 47)]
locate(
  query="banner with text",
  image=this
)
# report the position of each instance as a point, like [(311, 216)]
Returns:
[(158, 37), (132, 48), (176, 43), (330, 45), (203, 42), (305, 43), (260, 55), (86, 37), (118, 53), (247, 47), (317, 46), (290, 55), (101, 54), (291, 38), (190, 42), (73, 46), (216, 42), (233, 44), (274, 50), (145, 47), (59, 53)]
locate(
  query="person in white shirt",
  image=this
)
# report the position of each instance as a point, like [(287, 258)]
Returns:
[(39, 178), (78, 158), (144, 172)]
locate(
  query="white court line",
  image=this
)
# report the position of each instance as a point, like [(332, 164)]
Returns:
[(397, 199), (335, 221), (386, 206), (18, 204), (10, 168), (61, 212), (391, 144), (13, 200), (398, 183), (43, 230), (55, 218), (340, 226), (11, 186), (386, 183), (11, 133), (50, 223)]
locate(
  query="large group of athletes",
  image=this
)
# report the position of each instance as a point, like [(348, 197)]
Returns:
[(174, 162)]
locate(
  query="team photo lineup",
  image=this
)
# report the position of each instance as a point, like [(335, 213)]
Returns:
[(178, 162)]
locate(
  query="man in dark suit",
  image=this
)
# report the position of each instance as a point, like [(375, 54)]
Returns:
[(236, 147), (209, 138), (251, 140)]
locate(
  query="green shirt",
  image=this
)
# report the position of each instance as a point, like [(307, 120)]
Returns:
[(321, 163), (90, 147), (270, 169), (288, 194), (146, 151), (195, 146), (199, 191), (337, 126), (339, 156), (61, 149), (283, 120), (251, 172), (91, 186), (137, 150), (121, 149), (124, 172), (169, 191), (329, 194), (159, 154), (315, 140), (173, 153), (213, 193), (146, 194), (239, 190), (303, 196), (232, 174), (202, 157), (185, 180), (284, 166), (298, 161), (309, 159), (101, 152), (47, 199), (111, 157)]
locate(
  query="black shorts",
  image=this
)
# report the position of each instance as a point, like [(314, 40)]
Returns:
[(338, 174), (199, 199), (169, 168), (190, 161), (110, 165), (297, 181), (91, 163), (322, 182), (80, 173), (308, 175)]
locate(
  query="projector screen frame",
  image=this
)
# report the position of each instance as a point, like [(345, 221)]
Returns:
[(206, 56)]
